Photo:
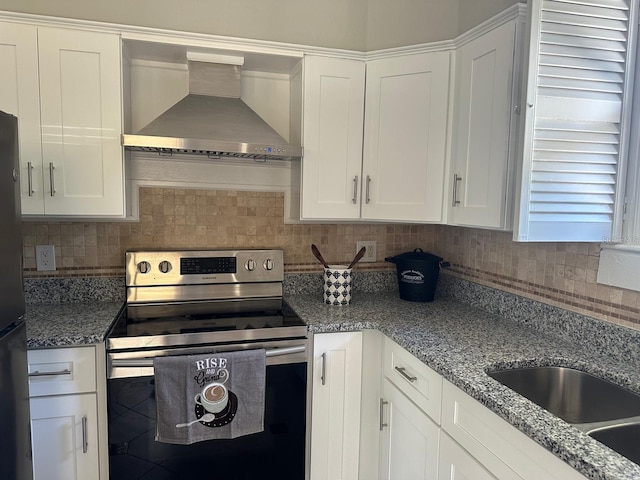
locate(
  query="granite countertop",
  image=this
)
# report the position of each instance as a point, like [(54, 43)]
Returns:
[(69, 324), (459, 341), (462, 342)]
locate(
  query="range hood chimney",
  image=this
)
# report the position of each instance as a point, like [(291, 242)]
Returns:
[(212, 119)]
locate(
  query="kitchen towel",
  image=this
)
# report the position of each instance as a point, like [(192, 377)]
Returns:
[(209, 396)]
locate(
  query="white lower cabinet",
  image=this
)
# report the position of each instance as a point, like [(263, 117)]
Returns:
[(455, 463), (502, 449), (67, 390), (64, 435), (378, 412), (335, 407), (409, 438)]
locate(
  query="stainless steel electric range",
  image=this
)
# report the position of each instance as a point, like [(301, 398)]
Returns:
[(193, 302)]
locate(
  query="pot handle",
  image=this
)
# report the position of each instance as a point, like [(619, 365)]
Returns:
[(444, 264), (390, 259)]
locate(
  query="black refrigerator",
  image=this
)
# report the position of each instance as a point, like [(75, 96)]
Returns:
[(15, 436)]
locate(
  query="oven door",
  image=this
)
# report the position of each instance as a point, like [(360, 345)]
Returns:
[(277, 452)]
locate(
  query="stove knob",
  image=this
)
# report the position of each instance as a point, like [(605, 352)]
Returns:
[(250, 265), (143, 267), (164, 266), (268, 264)]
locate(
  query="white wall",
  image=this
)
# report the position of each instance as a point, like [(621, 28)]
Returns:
[(474, 12), (327, 23), (395, 23), (361, 25)]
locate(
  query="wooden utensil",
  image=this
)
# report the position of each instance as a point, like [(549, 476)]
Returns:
[(318, 255), (358, 256)]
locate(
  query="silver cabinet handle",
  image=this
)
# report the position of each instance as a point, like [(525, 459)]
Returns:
[(85, 440), (354, 200), (382, 404), (36, 373), (367, 196), (30, 179), (401, 371), (52, 179), (323, 372), (456, 178)]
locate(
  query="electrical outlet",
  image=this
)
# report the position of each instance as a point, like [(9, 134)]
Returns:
[(370, 254), (45, 257)]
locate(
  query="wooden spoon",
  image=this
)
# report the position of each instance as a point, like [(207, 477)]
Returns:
[(358, 256), (318, 255)]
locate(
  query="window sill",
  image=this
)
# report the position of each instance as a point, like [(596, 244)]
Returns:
[(620, 266)]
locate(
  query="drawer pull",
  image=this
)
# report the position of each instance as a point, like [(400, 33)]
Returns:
[(66, 371), (401, 371), (382, 404), (85, 440)]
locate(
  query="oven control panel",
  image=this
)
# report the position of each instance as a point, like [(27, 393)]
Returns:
[(192, 267)]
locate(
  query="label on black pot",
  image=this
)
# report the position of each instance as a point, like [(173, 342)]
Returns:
[(412, 276)]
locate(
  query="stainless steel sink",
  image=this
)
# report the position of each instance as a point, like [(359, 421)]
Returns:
[(606, 412), (574, 396), (623, 438)]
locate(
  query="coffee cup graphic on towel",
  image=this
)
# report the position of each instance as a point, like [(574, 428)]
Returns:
[(213, 398)]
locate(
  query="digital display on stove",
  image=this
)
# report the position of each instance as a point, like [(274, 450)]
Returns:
[(207, 265)]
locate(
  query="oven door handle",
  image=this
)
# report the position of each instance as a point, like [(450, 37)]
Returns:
[(148, 362)]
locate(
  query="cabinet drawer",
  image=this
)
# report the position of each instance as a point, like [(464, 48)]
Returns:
[(417, 381), (504, 450), (61, 371)]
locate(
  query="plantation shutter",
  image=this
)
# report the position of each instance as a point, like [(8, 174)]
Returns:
[(574, 119)]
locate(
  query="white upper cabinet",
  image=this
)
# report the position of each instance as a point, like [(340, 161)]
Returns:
[(484, 130), (19, 96), (575, 119), (333, 113), (405, 136), (399, 175), (64, 85)]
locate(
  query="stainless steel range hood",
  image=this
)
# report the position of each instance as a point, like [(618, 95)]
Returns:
[(212, 120)]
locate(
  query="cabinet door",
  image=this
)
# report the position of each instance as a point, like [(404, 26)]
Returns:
[(576, 120), (482, 139), (335, 408), (454, 463), (407, 100), (409, 441), (64, 432), (19, 95), (80, 107), (332, 139)]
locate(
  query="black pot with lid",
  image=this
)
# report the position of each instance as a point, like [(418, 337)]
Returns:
[(418, 273)]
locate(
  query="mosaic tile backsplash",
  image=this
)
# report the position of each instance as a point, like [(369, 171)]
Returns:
[(560, 274)]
